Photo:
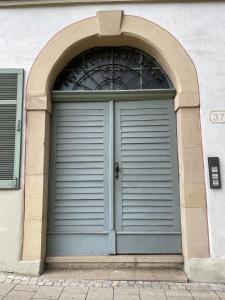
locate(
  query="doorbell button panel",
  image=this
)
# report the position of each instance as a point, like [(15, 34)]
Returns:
[(214, 173)]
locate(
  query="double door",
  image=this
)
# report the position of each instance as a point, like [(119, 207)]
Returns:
[(113, 179)]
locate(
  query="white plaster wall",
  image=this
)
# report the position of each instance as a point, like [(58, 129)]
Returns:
[(11, 218), (198, 27)]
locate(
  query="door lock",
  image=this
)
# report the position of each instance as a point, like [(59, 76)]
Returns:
[(116, 169)]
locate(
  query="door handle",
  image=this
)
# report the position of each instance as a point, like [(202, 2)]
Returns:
[(116, 169)]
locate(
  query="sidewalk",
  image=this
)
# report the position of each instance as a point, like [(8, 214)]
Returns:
[(19, 287)]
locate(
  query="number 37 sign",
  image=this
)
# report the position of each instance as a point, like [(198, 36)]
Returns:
[(217, 116)]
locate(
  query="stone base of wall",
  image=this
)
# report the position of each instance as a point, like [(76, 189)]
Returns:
[(206, 269), (24, 267)]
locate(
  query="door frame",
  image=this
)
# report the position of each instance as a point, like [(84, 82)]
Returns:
[(123, 30)]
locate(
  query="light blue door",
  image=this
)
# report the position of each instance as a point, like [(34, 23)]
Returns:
[(146, 198), (79, 182), (114, 181)]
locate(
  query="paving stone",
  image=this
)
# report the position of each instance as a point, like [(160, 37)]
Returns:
[(65, 284), (123, 284), (179, 298), (19, 295), (153, 297), (152, 294), (57, 284), (9, 280), (25, 278), (48, 292), (82, 285), (24, 282), (131, 283), (16, 281), (221, 295), (180, 286), (196, 288), (220, 287), (213, 286), (178, 295), (140, 284), (100, 293), (204, 295), (115, 283), (28, 288), (107, 284), (5, 288), (98, 284), (147, 291), (126, 297), (74, 293), (40, 283), (183, 293), (34, 280), (75, 290), (126, 291), (18, 277), (76, 296), (174, 287), (164, 285), (89, 284)]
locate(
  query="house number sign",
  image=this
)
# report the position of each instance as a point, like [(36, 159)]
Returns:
[(217, 116)]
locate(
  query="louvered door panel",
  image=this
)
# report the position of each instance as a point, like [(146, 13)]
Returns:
[(79, 185), (147, 200)]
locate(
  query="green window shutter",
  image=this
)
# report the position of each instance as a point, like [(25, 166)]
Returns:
[(11, 95)]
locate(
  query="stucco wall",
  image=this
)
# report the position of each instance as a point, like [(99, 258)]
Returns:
[(200, 30)]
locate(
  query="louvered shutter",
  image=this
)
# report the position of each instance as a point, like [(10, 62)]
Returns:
[(11, 94), (147, 202), (79, 192)]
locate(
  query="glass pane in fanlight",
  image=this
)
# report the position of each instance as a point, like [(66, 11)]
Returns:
[(112, 68), (154, 79), (127, 57)]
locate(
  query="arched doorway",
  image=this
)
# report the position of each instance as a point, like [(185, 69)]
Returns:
[(114, 172), (122, 31)]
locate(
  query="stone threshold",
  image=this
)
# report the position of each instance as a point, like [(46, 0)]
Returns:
[(119, 275), (118, 262)]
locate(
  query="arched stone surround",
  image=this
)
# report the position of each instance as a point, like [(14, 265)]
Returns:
[(112, 28)]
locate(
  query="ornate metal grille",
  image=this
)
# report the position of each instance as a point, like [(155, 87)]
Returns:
[(112, 68)]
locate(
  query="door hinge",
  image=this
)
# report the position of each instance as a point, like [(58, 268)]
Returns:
[(116, 169), (18, 125), (16, 182)]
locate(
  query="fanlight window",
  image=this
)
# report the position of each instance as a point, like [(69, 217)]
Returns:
[(112, 68)]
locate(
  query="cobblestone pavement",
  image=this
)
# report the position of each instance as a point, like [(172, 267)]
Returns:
[(19, 287)]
